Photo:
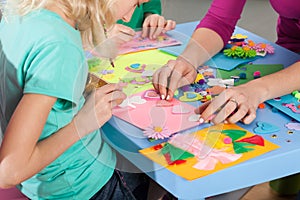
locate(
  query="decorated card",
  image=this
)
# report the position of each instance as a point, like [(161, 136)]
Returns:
[(158, 118), (134, 71), (194, 155), (288, 104), (140, 44)]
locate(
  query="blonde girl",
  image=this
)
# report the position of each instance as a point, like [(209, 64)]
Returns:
[(52, 147)]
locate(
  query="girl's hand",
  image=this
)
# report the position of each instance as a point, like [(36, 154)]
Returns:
[(120, 34), (155, 24), (97, 110), (175, 74)]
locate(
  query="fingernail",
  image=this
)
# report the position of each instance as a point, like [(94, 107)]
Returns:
[(168, 97), (162, 97), (201, 120)]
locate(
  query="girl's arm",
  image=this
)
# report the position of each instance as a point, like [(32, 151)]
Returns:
[(21, 155)]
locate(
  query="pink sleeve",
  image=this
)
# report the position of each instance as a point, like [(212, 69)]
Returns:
[(222, 17)]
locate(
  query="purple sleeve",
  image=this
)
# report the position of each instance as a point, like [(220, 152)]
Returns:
[(222, 17)]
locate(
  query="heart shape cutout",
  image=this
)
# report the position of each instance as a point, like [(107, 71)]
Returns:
[(265, 128), (179, 109), (194, 118), (151, 95), (164, 103), (190, 96)]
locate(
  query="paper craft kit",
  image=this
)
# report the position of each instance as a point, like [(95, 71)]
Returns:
[(194, 155)]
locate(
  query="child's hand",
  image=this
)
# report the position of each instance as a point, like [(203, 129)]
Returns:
[(155, 24), (97, 109), (120, 34)]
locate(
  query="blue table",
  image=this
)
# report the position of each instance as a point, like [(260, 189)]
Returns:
[(127, 139)]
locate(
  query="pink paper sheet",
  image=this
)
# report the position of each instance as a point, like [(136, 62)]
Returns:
[(148, 114), (140, 44)]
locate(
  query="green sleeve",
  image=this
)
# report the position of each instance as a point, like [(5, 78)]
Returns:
[(137, 19), (153, 6)]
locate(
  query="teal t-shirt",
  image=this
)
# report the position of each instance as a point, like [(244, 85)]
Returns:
[(40, 53), (137, 19)]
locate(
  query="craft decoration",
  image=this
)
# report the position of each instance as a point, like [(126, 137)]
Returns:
[(157, 132), (138, 43), (130, 101), (239, 52), (157, 113), (293, 126), (179, 109), (151, 95), (136, 68), (263, 49), (190, 96), (265, 128), (194, 118), (296, 94), (194, 155), (292, 107)]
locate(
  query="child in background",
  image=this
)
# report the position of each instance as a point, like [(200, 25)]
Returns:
[(52, 146), (147, 17)]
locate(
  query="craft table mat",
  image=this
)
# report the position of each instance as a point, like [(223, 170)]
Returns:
[(248, 70), (217, 152)]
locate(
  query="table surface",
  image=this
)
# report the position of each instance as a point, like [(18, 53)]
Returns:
[(128, 139)]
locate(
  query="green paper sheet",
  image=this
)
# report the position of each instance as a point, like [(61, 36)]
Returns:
[(249, 69)]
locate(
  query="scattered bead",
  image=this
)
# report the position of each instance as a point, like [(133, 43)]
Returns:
[(243, 75), (227, 140), (290, 132), (288, 141), (261, 106), (256, 74), (277, 99), (274, 136)]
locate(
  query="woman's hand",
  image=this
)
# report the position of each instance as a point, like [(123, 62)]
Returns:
[(232, 105), (97, 110), (175, 74), (155, 24)]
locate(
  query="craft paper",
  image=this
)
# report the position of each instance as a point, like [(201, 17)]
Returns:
[(287, 99), (152, 59), (140, 44), (211, 150), (249, 70), (151, 113)]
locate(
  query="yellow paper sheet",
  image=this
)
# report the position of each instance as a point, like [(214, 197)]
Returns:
[(153, 59), (187, 171)]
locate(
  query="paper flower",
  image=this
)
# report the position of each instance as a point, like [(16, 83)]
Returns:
[(240, 52), (157, 132), (263, 47)]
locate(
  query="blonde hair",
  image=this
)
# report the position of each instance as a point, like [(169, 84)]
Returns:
[(90, 15)]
